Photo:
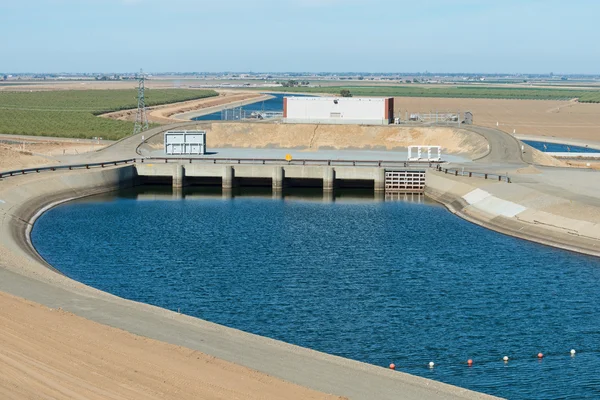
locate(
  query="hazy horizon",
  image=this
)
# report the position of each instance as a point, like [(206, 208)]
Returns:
[(312, 36), (322, 74)]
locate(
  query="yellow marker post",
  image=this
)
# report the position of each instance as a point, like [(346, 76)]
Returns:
[(288, 157)]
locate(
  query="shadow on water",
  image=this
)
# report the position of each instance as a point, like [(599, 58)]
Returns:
[(165, 192)]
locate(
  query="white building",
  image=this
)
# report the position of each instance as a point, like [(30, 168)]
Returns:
[(338, 110)]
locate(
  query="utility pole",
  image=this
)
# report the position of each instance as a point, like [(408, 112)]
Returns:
[(141, 118)]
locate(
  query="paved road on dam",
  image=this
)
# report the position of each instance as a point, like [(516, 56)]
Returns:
[(504, 149)]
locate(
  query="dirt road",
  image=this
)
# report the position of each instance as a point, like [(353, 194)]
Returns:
[(165, 114)]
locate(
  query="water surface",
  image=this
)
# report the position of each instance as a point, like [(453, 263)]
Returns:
[(273, 104), (559, 148), (379, 282)]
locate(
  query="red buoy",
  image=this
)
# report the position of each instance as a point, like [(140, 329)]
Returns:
[(392, 366), (540, 355), (470, 362)]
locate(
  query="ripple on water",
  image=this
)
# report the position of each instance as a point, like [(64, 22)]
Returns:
[(377, 282)]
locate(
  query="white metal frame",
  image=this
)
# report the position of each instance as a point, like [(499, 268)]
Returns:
[(420, 150), (185, 142)]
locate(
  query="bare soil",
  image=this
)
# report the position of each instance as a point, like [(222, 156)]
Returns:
[(52, 354), (163, 114), (312, 137), (564, 119), (30, 153), (14, 159)]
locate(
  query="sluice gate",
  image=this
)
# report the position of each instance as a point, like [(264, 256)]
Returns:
[(380, 179), (405, 181)]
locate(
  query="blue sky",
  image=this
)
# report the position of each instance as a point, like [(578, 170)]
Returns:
[(300, 35)]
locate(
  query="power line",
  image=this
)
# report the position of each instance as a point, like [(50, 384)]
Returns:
[(141, 117)]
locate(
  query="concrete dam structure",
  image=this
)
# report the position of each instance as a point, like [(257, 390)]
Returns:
[(228, 176)]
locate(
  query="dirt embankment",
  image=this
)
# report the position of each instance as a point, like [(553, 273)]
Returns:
[(163, 114), (14, 159), (561, 119), (339, 137), (46, 353), (28, 153)]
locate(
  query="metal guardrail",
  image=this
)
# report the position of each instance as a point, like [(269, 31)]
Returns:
[(66, 167), (470, 174), (239, 161), (307, 162)]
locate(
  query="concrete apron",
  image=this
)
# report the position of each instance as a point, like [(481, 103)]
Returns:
[(25, 274), (467, 198)]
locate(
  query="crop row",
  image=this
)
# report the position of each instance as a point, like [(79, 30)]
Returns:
[(73, 113)]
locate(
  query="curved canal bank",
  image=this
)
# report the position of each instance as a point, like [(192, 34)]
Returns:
[(25, 275), (520, 211), (538, 191), (373, 281)]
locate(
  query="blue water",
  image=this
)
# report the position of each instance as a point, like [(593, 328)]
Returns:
[(557, 148), (274, 104), (378, 282)]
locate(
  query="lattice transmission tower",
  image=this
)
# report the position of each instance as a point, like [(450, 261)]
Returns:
[(141, 118)]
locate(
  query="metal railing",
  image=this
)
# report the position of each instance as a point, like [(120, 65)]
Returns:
[(470, 174), (307, 162), (6, 174), (239, 161)]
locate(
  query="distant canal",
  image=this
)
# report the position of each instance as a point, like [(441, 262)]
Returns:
[(274, 104), (559, 148), (380, 282)]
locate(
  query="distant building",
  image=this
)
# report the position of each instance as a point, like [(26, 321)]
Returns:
[(338, 110)]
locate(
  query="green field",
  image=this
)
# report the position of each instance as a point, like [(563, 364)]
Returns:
[(74, 113), (472, 92)]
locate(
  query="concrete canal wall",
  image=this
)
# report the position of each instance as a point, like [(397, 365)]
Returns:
[(519, 211), (25, 198)]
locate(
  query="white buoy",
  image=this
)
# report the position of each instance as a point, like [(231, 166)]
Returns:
[(431, 364), (505, 358), (573, 352)]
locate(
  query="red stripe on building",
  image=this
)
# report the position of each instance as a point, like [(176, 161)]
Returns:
[(387, 109), (285, 107)]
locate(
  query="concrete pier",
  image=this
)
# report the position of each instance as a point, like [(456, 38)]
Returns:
[(328, 179), (328, 196), (400, 180), (278, 178), (380, 181), (178, 176), (227, 194), (177, 193), (228, 178)]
